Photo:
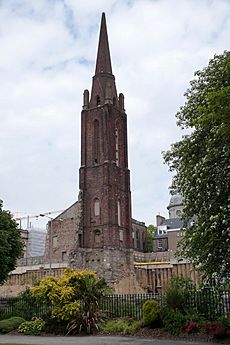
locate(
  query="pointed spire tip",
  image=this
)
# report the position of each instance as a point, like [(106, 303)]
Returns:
[(103, 64)]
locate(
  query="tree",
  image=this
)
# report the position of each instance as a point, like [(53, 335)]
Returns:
[(11, 246), (150, 234), (74, 297), (201, 162)]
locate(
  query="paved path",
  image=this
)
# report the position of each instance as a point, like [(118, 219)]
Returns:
[(91, 340)]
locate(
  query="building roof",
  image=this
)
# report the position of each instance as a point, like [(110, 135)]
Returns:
[(176, 200), (173, 223), (157, 236)]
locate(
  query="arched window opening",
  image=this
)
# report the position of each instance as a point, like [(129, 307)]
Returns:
[(96, 142), (119, 213), (80, 240), (114, 101), (98, 100), (96, 207), (97, 238), (116, 147)]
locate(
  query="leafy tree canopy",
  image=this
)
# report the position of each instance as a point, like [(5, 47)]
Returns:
[(150, 234), (201, 162), (11, 246)]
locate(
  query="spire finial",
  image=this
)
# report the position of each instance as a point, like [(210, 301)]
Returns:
[(103, 64)]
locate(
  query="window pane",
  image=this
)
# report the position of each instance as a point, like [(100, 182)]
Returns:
[(119, 212), (96, 207)]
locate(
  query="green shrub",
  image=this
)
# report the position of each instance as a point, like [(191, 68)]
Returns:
[(177, 293), (53, 325), (225, 321), (9, 325), (24, 306), (175, 299), (32, 327), (120, 326), (151, 313), (173, 321)]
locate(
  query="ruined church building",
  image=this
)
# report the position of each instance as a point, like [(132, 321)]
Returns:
[(98, 232)]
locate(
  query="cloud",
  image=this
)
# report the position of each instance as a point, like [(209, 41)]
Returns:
[(48, 51)]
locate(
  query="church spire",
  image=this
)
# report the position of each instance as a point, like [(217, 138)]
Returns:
[(103, 87), (103, 64)]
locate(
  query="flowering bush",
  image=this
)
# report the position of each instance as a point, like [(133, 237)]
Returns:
[(215, 329), (191, 327)]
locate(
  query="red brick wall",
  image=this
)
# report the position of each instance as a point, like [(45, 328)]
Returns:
[(105, 180)]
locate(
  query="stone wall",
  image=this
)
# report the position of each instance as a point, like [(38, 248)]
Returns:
[(63, 234), (110, 263)]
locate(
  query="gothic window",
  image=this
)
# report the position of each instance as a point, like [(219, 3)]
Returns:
[(96, 207), (96, 141), (116, 146), (98, 100), (119, 213), (114, 101)]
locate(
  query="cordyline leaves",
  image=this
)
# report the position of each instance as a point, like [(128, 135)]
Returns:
[(201, 162), (11, 246)]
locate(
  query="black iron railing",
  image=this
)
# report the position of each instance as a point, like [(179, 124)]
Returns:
[(208, 303)]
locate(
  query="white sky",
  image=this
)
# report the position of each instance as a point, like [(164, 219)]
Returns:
[(48, 52)]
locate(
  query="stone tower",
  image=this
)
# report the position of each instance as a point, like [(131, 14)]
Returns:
[(104, 173)]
